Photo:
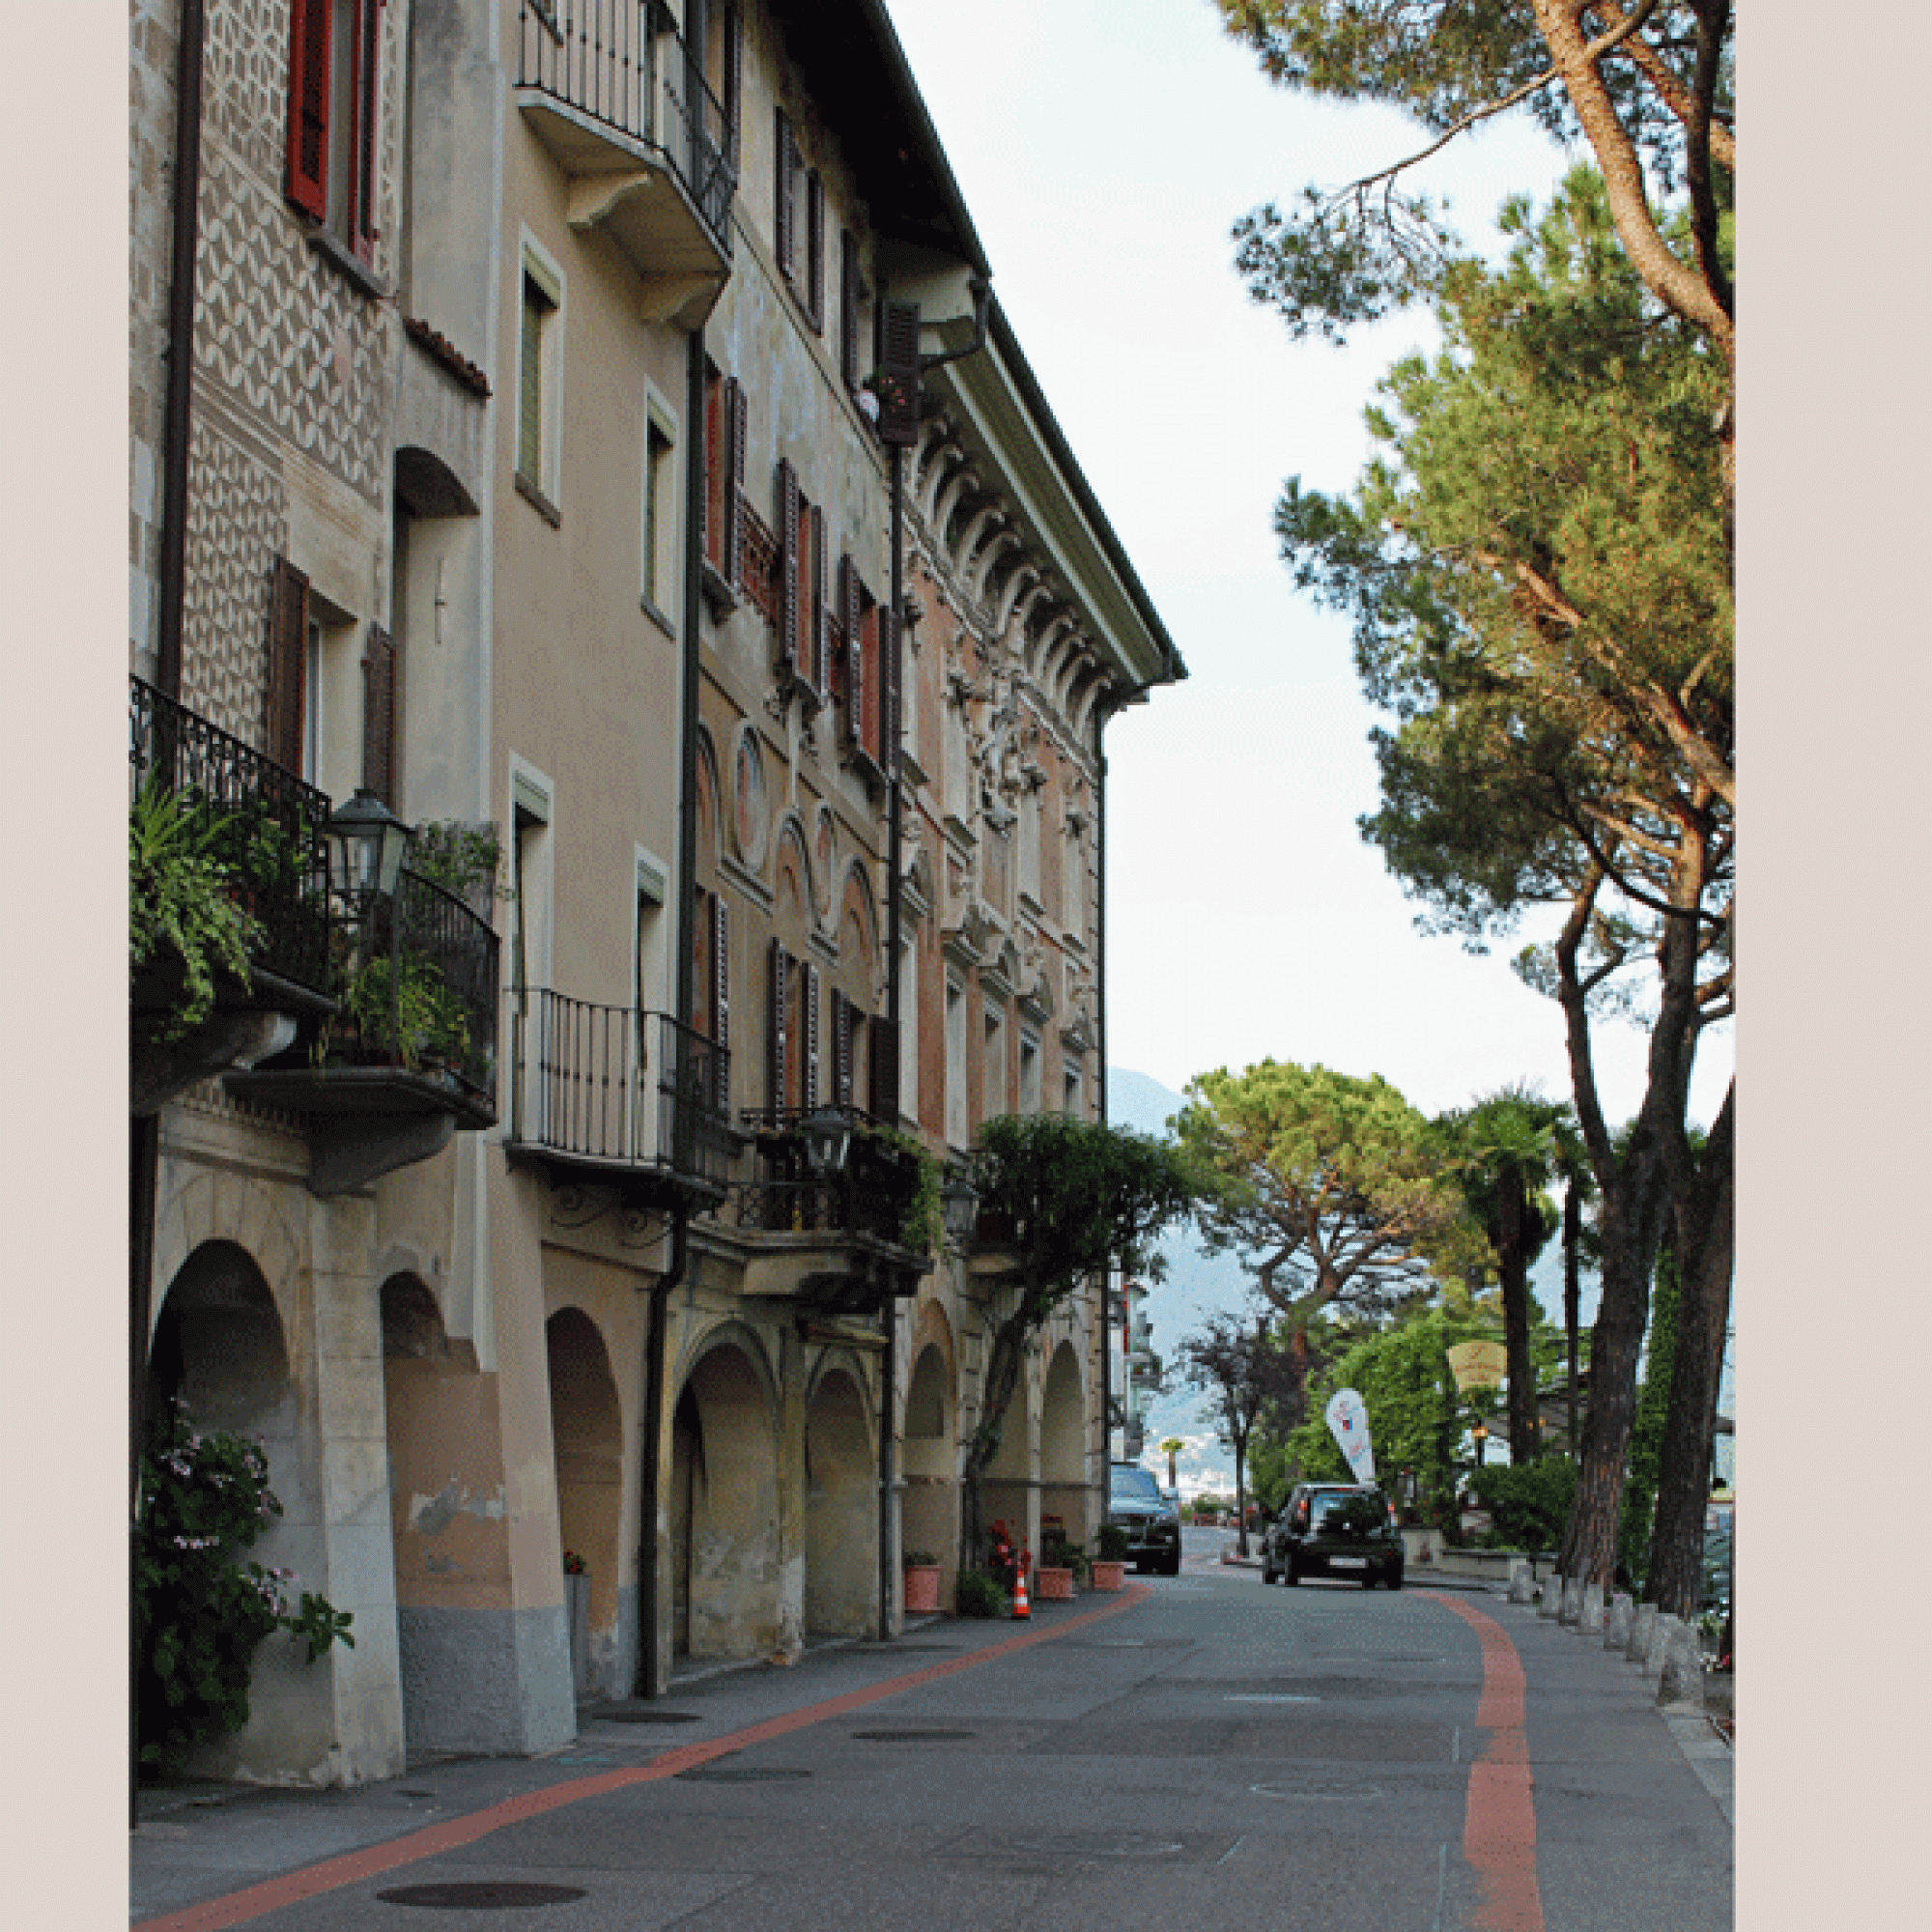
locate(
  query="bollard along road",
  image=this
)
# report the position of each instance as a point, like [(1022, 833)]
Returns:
[(1201, 1752)]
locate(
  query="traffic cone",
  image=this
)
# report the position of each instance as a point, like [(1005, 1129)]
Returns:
[(1021, 1608)]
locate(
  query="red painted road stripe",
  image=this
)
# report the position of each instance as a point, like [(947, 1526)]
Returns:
[(271, 1894), (1499, 1825)]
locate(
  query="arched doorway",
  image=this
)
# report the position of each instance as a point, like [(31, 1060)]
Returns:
[(1063, 1445), (931, 1511), (724, 1510), (588, 1438), (218, 1349), (841, 1511)]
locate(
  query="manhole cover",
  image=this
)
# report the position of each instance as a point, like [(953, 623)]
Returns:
[(738, 1774), (913, 1738), (649, 1718), (483, 1896)]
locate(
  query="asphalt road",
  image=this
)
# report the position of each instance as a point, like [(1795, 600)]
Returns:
[(1209, 1752)]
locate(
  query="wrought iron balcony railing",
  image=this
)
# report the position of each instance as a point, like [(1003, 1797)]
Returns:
[(619, 1086), (875, 1194), (623, 64), (418, 988), (264, 826)]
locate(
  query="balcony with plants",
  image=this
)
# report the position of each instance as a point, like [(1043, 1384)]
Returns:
[(228, 899), (843, 1212), (621, 102), (617, 1098), (408, 1054)]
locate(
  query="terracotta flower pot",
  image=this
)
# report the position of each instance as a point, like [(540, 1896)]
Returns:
[(1106, 1576), (1052, 1585), (921, 1588)]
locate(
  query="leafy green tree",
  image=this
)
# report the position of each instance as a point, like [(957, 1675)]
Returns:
[(1505, 1146), (1071, 1199), (1542, 591), (1646, 85), (1242, 1366), (1331, 1189)]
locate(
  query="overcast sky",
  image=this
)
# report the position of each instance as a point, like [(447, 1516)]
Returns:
[(1105, 149)]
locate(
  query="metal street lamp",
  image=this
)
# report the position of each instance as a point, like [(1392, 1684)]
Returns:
[(366, 843), (828, 1140), (959, 1205)]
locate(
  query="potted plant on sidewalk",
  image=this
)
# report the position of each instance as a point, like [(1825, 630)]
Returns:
[(1108, 1571), (922, 1582)]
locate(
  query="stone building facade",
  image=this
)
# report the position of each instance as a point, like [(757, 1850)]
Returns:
[(612, 460)]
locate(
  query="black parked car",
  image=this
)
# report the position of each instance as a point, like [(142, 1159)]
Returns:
[(1150, 1524), (1334, 1529)]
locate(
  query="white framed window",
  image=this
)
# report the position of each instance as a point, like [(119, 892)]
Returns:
[(1030, 1093), (993, 1068), (658, 538), (958, 1121), (540, 314)]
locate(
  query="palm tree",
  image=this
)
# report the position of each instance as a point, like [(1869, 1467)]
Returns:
[(1172, 1447), (1508, 1158)]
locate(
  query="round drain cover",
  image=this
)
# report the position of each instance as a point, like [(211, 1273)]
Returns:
[(913, 1738), (738, 1774), (647, 1717), (483, 1896)]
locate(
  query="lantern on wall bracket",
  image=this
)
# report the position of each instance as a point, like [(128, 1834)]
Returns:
[(366, 843), (828, 1140), (960, 1207)]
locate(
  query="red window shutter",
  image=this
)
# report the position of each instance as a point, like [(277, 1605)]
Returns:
[(737, 413), (378, 716), (307, 182), (782, 207), (883, 1099), (820, 607), (778, 1030), (288, 659), (787, 564), (889, 687), (366, 93), (807, 975)]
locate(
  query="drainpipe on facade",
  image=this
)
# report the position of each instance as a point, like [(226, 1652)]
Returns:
[(650, 1681)]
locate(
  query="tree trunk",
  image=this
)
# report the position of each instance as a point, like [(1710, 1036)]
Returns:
[(1003, 1374), (1572, 1300), (1513, 1272), (1706, 1238)]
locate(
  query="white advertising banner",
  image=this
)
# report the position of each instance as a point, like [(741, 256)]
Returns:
[(1349, 1424)]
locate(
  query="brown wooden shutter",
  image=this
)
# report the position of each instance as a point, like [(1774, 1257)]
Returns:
[(378, 716), (308, 174), (778, 1030), (814, 248), (883, 1097), (366, 93), (853, 618), (711, 498), (848, 309), (898, 372), (821, 599), (842, 1049), (288, 659), (787, 563), (889, 688), (737, 413), (781, 212), (808, 991), (721, 1001), (734, 83)]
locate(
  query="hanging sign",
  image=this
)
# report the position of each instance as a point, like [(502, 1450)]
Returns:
[(1349, 1423), (1478, 1365)]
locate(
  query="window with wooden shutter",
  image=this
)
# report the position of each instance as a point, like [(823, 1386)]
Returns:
[(850, 297), (783, 189), (842, 1012), (718, 931), (814, 248), (889, 688), (307, 178), (808, 996), (712, 499), (378, 717), (737, 415), (360, 216), (898, 373), (288, 656), (789, 562), (777, 1030), (817, 609), (850, 619)]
